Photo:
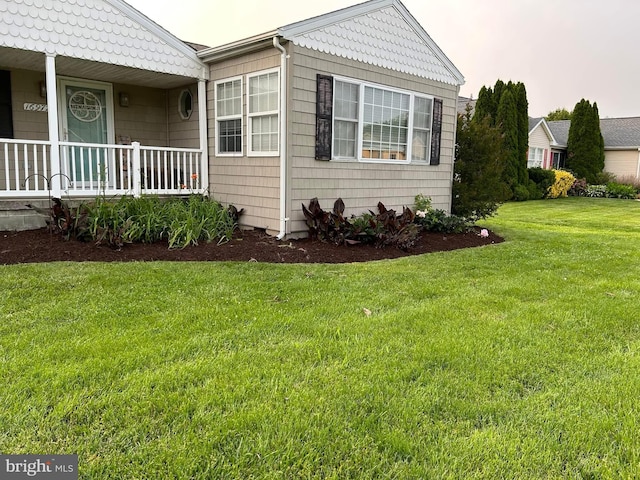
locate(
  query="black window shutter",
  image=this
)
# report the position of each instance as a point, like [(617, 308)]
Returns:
[(324, 116), (436, 131), (6, 115)]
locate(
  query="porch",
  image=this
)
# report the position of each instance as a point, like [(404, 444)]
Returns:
[(28, 170)]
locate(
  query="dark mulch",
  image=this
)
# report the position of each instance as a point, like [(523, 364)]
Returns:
[(41, 246)]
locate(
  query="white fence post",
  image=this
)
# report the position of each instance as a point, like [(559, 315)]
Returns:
[(137, 177)]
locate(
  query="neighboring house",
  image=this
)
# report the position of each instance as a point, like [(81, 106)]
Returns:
[(359, 104), (544, 150), (621, 144), (464, 102)]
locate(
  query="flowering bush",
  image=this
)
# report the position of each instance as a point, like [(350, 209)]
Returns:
[(579, 188), (562, 185)]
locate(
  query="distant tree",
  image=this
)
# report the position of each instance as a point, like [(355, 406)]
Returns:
[(585, 145), (522, 107), (485, 106), (478, 188), (558, 114)]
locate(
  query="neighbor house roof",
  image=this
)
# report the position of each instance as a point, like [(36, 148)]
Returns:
[(560, 131), (542, 123), (616, 132), (378, 32), (620, 132)]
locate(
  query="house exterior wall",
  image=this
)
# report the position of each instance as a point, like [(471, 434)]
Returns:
[(145, 119), (25, 88), (538, 139), (360, 185), (622, 163), (183, 133), (248, 182)]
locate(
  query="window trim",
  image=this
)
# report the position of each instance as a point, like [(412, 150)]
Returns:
[(219, 118), (267, 113), (185, 115), (362, 84)]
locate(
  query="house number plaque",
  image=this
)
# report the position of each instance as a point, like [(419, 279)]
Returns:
[(35, 107)]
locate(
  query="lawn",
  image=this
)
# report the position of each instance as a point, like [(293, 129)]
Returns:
[(516, 360)]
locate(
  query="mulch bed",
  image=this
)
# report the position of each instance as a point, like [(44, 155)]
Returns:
[(250, 245)]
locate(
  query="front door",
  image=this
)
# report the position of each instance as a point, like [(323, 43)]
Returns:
[(87, 117)]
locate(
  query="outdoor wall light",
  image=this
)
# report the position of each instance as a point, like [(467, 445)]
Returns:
[(124, 99), (43, 89)]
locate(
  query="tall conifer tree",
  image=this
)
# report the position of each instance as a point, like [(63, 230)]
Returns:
[(522, 105), (585, 145), (507, 120)]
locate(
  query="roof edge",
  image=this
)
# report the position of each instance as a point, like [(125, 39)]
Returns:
[(239, 47), (156, 29), (547, 130)]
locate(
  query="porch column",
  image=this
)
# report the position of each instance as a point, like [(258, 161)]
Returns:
[(202, 121), (52, 115)]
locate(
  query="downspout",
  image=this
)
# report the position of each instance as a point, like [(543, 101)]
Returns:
[(638, 170), (283, 138)]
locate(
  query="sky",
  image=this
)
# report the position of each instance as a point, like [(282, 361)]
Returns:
[(562, 50)]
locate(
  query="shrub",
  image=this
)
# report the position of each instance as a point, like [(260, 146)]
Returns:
[(520, 193), (630, 180), (422, 202), (535, 192), (439, 221), (543, 179), (618, 190), (596, 191), (579, 188), (563, 182), (602, 178), (382, 229)]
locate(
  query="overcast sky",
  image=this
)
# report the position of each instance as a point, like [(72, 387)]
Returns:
[(562, 50)]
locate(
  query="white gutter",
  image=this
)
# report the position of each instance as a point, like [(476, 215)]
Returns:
[(283, 138)]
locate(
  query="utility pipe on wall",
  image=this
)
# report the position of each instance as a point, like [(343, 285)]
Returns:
[(283, 138)]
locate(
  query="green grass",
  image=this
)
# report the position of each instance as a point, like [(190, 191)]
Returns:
[(517, 360)]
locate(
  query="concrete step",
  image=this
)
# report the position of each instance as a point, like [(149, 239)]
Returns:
[(16, 216)]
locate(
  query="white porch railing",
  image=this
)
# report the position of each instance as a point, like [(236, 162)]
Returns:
[(95, 169)]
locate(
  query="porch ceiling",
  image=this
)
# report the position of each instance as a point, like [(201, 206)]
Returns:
[(73, 67)]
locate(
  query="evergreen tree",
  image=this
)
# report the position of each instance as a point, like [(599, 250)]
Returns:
[(507, 121), (558, 114), (522, 106), (478, 188), (485, 106), (585, 145)]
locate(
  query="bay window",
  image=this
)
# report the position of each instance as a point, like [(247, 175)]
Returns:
[(376, 123)]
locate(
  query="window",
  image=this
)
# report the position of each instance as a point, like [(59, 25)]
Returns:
[(229, 116), (375, 123), (185, 104), (535, 157), (262, 113)]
